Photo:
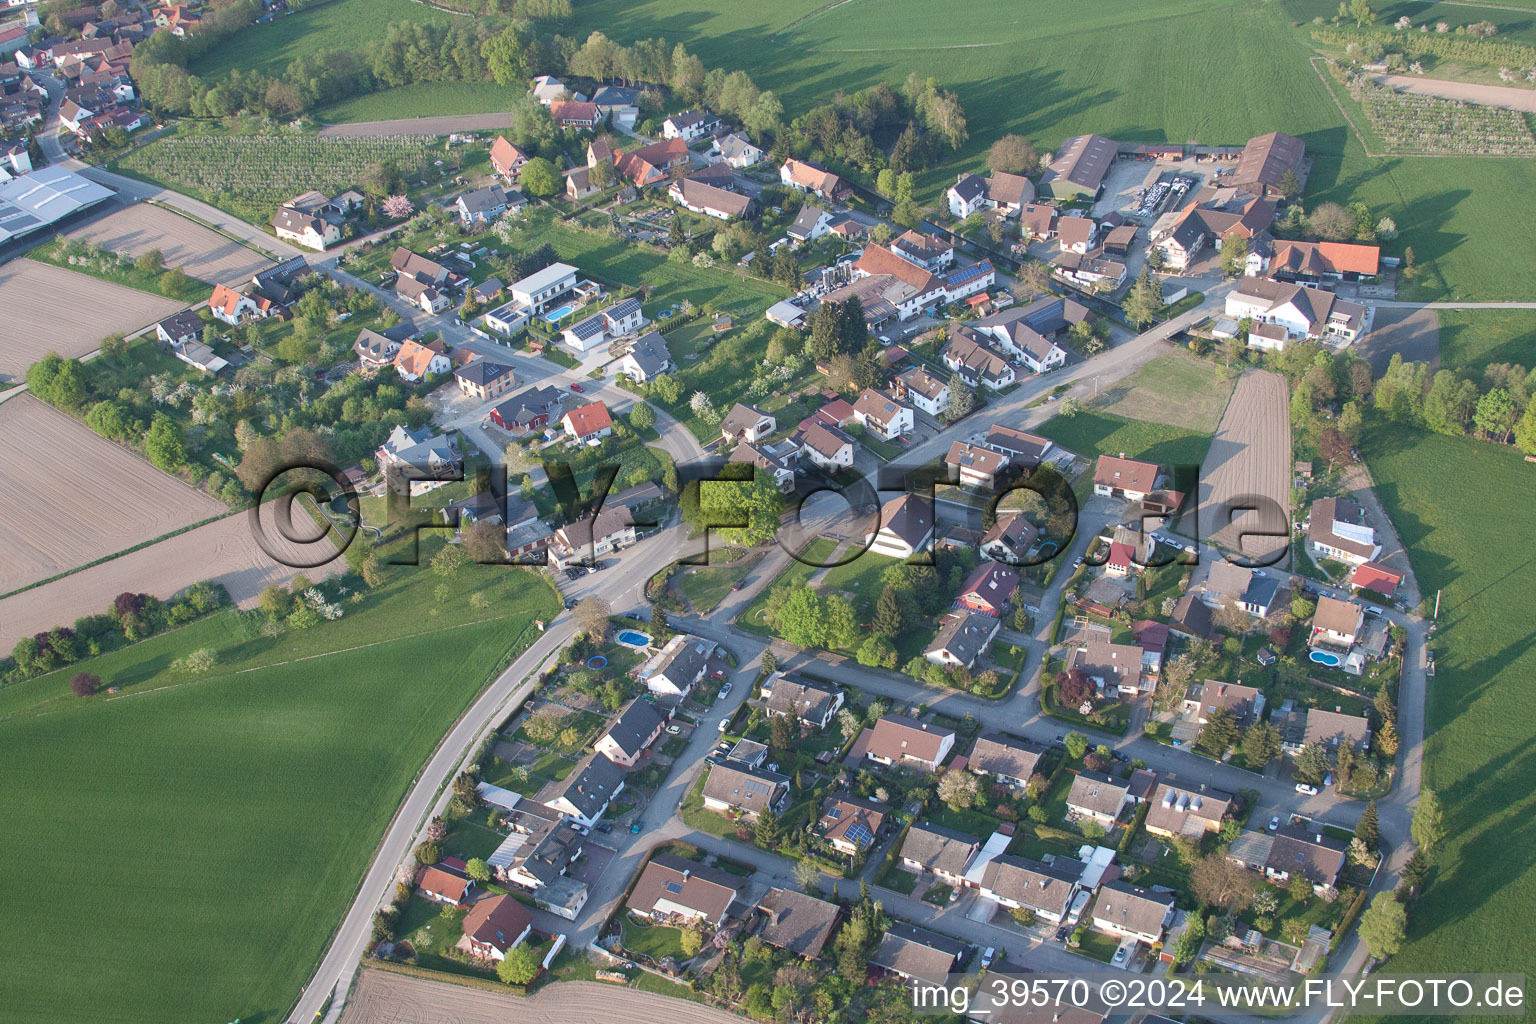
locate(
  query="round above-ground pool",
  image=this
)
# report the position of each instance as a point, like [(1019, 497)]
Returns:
[(634, 638), (665, 314), (597, 661), (1326, 658)]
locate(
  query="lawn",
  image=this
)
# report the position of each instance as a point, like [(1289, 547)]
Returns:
[(1480, 705), (656, 941), (337, 24), (1174, 389), (1091, 434), (425, 99), (795, 574), (1470, 339), (859, 581), (242, 806), (706, 585), (180, 287), (1099, 945)]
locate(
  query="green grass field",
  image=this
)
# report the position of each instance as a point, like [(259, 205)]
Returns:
[(1176, 389), (424, 100), (1091, 434), (215, 827), (1471, 339), (1459, 505), (337, 25)]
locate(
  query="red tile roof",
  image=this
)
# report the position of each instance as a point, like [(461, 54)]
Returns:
[(589, 419), (1375, 576)]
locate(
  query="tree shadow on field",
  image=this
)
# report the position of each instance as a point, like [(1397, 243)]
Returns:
[(140, 672)]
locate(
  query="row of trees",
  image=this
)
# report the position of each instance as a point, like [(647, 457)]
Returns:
[(1499, 408)]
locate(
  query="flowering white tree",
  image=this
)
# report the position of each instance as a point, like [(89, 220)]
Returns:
[(1403, 23), (700, 404), (398, 207)]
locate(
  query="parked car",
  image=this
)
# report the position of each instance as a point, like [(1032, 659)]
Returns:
[(674, 729), (724, 722), (577, 388), (603, 826), (725, 689), (1302, 787), (1328, 779), (634, 829), (987, 956), (1274, 823), (1120, 955)]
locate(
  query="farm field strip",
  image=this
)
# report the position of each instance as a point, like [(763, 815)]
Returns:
[(49, 309), (1250, 456), (69, 496), (184, 243)]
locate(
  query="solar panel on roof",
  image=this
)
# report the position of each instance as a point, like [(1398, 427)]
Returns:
[(861, 835), (674, 888)]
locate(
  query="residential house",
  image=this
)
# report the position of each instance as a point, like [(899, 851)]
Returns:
[(745, 423), (988, 589), (537, 290), (375, 350), (418, 455), (967, 195), (1006, 758), (977, 363), (690, 125), (420, 294), (904, 741), (850, 823), (963, 637), (507, 159), (1119, 477), (1289, 851), (575, 114), (918, 955), (578, 183), (231, 307), (1264, 162), (681, 664), (906, 527), (495, 925), (417, 360), (1012, 331), (1111, 667), (811, 702), (1328, 729), (1319, 262), (1010, 540), (618, 105), (584, 539), (1090, 270), (671, 887), (744, 792), (776, 460), (585, 794), (1078, 169), (1133, 912), (710, 201), (1338, 528), (1027, 450), (882, 415), (810, 223), (481, 205), (925, 390), (1375, 577), (1019, 882), (826, 446), (1191, 618), (528, 411), (1303, 312), (1076, 234), (738, 151), (588, 423), (1037, 221), (304, 229), (1098, 796), (546, 89), (1207, 220), (647, 358), (926, 251), (1174, 811), (977, 467), (1246, 703), (442, 886), (507, 318), (196, 354), (585, 334), (805, 177), (484, 379), (655, 162), (943, 851), (632, 733), (797, 923), (1336, 622), (180, 328)]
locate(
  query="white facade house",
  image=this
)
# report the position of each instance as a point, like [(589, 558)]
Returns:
[(536, 290), (967, 195)]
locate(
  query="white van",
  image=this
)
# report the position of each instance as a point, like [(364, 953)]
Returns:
[(1077, 907)]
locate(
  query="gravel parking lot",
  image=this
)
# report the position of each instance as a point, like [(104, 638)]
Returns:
[(69, 496), (1249, 456), (202, 253), (49, 309)]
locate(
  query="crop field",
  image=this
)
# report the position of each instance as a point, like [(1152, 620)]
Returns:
[(1177, 389), (249, 175), (48, 309), (69, 496), (1458, 505), (224, 550), (339, 24), (1406, 123), (240, 807), (202, 253), (1249, 456)]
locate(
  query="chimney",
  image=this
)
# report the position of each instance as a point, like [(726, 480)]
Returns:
[(1319, 839), (687, 872)]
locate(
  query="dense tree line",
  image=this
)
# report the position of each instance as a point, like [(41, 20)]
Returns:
[(915, 125)]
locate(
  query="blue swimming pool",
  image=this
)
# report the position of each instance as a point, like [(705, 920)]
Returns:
[(1325, 658), (556, 314), (633, 638)]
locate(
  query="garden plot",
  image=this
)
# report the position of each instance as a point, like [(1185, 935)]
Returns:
[(203, 254), (224, 551), (69, 496), (48, 309), (1250, 456)]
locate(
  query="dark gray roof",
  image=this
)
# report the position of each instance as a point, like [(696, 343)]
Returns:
[(650, 353), (482, 372), (591, 786), (182, 324), (524, 406), (751, 789), (969, 187), (918, 953), (483, 200), (635, 726), (796, 922), (964, 635)]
